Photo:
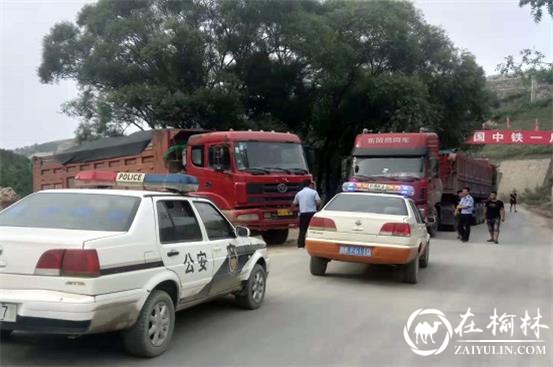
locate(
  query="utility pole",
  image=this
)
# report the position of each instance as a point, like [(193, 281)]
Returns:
[(532, 89)]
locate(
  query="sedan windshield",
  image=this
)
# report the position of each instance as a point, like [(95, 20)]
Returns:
[(267, 156), (90, 212), (360, 203), (388, 167)]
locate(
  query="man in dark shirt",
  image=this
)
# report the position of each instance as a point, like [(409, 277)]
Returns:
[(513, 200), (495, 214)]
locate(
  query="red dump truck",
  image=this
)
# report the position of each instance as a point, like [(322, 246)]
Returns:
[(433, 177), (251, 175)]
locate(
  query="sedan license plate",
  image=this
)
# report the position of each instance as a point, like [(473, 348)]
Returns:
[(283, 212), (355, 251), (8, 312)]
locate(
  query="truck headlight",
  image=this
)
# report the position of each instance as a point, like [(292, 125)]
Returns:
[(247, 217)]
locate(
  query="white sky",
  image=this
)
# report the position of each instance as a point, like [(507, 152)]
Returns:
[(30, 111)]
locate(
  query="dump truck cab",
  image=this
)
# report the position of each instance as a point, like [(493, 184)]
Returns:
[(252, 176)]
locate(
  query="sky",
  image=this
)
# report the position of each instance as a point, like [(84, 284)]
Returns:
[(30, 112)]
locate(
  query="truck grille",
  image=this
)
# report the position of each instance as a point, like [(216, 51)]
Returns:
[(272, 193), (272, 188)]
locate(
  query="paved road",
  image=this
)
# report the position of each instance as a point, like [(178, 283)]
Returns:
[(353, 316)]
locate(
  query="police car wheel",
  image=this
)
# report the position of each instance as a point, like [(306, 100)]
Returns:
[(151, 334), (317, 266), (423, 260), (253, 293), (410, 271)]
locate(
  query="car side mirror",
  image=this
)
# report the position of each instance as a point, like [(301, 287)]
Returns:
[(241, 231)]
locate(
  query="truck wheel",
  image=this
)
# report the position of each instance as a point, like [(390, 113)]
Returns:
[(411, 271), (5, 334), (317, 266), (275, 236), (151, 334), (423, 260), (253, 293)]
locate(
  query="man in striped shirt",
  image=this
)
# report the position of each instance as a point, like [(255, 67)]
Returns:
[(466, 210)]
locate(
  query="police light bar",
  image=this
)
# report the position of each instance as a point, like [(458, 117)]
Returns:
[(404, 190), (168, 182)]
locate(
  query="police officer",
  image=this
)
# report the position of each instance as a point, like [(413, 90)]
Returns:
[(308, 200), (466, 208)]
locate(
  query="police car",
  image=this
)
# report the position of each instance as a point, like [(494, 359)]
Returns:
[(80, 261), (372, 228)]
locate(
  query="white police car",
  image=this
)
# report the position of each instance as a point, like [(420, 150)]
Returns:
[(363, 226), (79, 261)]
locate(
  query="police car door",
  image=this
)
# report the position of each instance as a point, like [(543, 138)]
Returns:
[(224, 244), (184, 248)]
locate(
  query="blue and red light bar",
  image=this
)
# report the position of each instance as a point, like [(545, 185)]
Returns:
[(167, 182), (404, 190)]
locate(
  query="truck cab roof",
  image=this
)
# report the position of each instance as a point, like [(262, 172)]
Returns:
[(218, 136)]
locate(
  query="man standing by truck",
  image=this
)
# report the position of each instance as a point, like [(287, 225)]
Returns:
[(466, 208), (308, 200), (495, 212)]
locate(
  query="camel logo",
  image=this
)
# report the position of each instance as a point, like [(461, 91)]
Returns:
[(425, 331)]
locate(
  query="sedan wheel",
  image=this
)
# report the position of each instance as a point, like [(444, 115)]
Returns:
[(151, 334), (253, 293)]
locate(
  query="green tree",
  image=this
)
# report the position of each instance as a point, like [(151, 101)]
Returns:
[(531, 64), (15, 172), (325, 70), (537, 7)]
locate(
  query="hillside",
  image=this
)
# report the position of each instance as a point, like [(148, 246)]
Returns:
[(514, 102), (15, 172), (48, 148)]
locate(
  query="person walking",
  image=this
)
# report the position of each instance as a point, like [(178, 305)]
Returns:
[(466, 209), (513, 200), (495, 214), (308, 201)]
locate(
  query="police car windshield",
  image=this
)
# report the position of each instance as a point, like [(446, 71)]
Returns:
[(89, 212), (270, 156), (388, 166), (374, 204)]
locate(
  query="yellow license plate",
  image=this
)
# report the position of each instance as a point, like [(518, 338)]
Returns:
[(283, 212)]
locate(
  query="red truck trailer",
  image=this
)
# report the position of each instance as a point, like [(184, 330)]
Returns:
[(251, 175), (414, 160)]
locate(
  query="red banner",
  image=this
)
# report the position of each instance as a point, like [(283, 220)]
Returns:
[(519, 137)]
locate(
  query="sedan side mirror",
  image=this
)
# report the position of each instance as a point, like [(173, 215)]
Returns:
[(242, 231)]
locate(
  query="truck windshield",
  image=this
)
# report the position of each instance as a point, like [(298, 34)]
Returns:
[(266, 157), (89, 212), (388, 167)]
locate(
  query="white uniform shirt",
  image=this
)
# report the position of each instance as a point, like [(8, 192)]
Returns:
[(307, 199), (467, 202)]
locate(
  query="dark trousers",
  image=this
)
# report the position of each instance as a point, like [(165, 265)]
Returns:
[(464, 226), (457, 225), (305, 218)]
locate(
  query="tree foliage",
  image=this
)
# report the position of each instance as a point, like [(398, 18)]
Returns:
[(15, 172), (325, 70), (531, 64), (537, 7)]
